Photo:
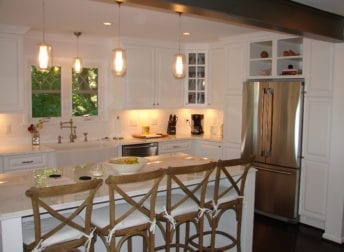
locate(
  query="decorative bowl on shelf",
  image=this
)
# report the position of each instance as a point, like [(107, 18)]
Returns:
[(126, 164)]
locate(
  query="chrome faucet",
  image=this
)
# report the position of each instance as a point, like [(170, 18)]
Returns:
[(69, 125)]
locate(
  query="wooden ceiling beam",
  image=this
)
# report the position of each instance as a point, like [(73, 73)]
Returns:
[(278, 15)]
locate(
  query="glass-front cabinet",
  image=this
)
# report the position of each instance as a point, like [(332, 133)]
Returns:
[(196, 80)]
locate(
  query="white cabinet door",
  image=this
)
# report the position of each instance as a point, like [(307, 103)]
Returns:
[(232, 119), (175, 146), (317, 132), (237, 68), (217, 77), (26, 161), (208, 149), (11, 76), (139, 80), (168, 90)]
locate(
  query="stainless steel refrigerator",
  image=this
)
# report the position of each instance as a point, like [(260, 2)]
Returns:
[(272, 130)]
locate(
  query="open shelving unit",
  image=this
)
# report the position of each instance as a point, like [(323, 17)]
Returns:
[(281, 58)]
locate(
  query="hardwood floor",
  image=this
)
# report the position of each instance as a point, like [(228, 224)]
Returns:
[(276, 236)]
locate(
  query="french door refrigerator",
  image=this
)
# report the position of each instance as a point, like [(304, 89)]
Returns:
[(272, 130)]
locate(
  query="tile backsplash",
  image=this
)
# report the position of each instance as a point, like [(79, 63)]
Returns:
[(124, 123)]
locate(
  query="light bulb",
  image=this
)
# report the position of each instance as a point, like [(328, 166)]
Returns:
[(179, 66), (119, 62), (44, 56), (77, 65)]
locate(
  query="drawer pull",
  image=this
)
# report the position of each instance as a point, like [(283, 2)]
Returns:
[(28, 162)]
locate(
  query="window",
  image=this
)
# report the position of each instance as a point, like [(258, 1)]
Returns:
[(85, 92), (46, 92), (61, 87)]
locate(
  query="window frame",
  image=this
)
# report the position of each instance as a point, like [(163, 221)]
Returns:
[(66, 91)]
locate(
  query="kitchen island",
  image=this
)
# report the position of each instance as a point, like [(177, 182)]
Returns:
[(16, 207)]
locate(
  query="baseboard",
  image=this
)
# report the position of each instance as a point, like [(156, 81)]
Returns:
[(314, 222), (333, 238)]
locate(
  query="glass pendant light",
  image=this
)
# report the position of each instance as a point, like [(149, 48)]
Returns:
[(179, 63), (119, 63), (44, 49), (77, 59)]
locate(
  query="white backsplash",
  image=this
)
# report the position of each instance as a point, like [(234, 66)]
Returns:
[(13, 127)]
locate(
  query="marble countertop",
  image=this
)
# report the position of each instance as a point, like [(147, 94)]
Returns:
[(14, 185), (51, 147)]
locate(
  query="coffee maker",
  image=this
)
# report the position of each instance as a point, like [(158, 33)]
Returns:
[(197, 124)]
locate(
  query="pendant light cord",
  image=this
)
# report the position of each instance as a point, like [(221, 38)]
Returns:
[(43, 19), (180, 27), (119, 23)]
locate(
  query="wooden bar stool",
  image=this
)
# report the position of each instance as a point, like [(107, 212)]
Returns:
[(123, 219), (227, 193), (183, 205), (51, 230)]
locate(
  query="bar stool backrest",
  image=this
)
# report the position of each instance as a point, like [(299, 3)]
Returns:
[(117, 185), (236, 183), (40, 198), (194, 193)]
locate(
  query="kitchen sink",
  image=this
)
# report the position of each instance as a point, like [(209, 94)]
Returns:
[(83, 152)]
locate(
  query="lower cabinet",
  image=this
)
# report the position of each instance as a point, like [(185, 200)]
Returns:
[(175, 146), (208, 149), (28, 161)]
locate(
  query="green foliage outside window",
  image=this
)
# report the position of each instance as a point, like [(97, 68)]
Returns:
[(85, 92), (46, 92)]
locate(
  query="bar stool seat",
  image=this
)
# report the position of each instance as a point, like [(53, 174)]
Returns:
[(101, 217)]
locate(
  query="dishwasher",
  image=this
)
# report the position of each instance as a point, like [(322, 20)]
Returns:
[(140, 150)]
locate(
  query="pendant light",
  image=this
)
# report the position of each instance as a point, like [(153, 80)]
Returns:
[(77, 59), (179, 63), (119, 64), (44, 49)]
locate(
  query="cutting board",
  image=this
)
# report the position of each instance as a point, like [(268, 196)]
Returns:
[(156, 135)]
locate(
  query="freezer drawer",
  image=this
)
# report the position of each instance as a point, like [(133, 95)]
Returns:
[(277, 193)]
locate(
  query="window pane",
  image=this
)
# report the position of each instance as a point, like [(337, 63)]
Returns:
[(46, 92), (46, 105), (192, 84), (85, 92)]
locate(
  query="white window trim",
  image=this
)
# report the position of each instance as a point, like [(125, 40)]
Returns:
[(66, 91)]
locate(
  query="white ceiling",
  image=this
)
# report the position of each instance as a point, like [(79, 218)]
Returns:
[(87, 16)]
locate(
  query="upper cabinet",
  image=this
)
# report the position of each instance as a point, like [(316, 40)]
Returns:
[(11, 72), (280, 58), (149, 82), (196, 78)]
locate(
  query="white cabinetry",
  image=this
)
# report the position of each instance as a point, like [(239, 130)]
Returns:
[(168, 89), (217, 77), (317, 132), (25, 161), (174, 146), (208, 149), (139, 80), (237, 58), (11, 72), (279, 58), (149, 81)]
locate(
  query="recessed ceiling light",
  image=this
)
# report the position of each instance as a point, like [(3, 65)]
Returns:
[(107, 23), (186, 33)]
